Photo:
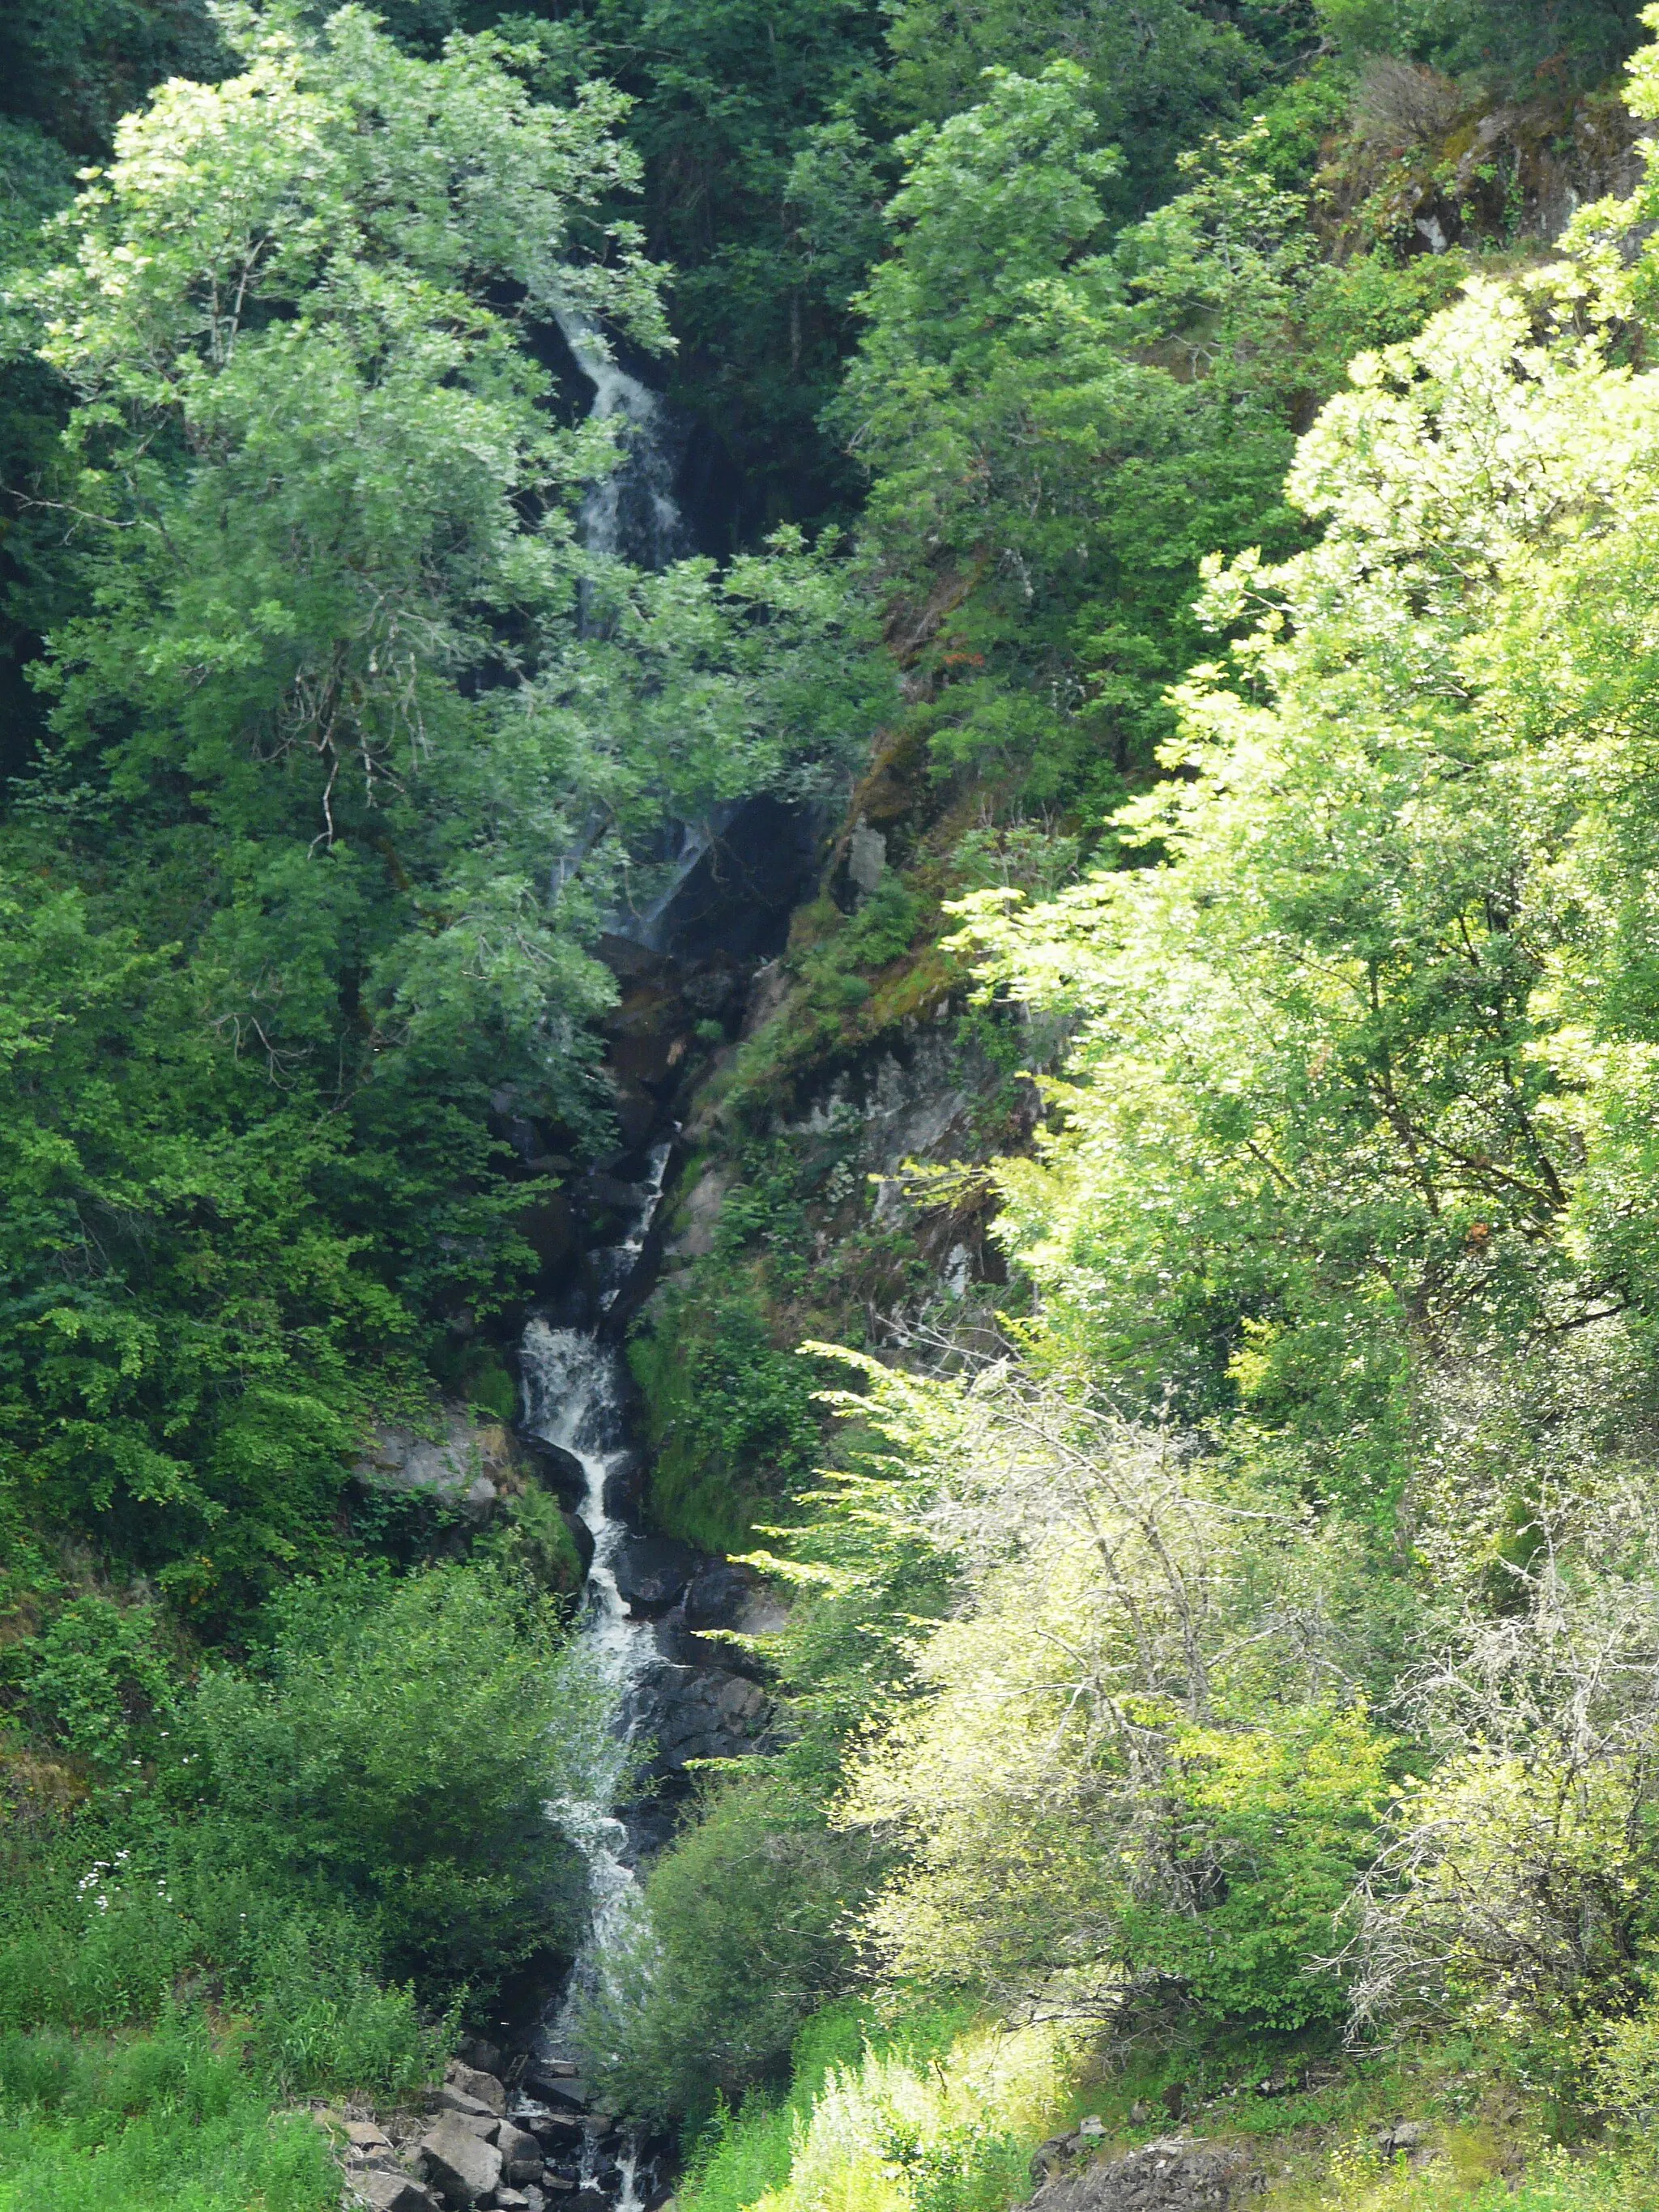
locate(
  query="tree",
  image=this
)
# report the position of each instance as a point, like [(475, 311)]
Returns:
[(1057, 434)]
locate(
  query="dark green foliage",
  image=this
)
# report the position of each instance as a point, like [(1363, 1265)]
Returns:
[(75, 67), (746, 1933), (1160, 77), (730, 1416), (1517, 44), (399, 1752)]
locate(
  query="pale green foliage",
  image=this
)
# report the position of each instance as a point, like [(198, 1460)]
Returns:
[(1520, 1881), (1349, 1019), (875, 2128), (1118, 1769)]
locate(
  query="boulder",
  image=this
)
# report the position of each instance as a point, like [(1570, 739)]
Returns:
[(473, 2081), (521, 2154), (558, 1469), (511, 2200), (1177, 2173), (716, 1594), (699, 1713), (565, 2093), (652, 1571), (460, 2165), (1403, 2136), (461, 1462), (391, 2192), (581, 1536), (556, 2130), (624, 1485), (451, 2099)]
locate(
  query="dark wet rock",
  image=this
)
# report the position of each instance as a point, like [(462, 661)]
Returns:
[(564, 2092), (477, 2050), (652, 1571), (716, 1595), (624, 1486), (699, 1713), (581, 1536), (557, 2132), (1177, 2173), (558, 1469), (460, 2165)]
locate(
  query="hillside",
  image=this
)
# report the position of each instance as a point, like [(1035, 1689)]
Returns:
[(828, 989)]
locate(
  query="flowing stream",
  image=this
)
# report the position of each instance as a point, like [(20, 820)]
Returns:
[(571, 1382), (632, 513)]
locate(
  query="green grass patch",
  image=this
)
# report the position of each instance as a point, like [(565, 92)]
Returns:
[(172, 2117)]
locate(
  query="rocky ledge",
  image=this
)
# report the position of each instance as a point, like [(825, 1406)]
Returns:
[(1176, 2174)]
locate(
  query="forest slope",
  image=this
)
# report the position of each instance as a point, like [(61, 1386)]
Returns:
[(1219, 1681)]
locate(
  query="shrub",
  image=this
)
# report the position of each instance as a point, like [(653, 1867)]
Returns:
[(400, 1755), (744, 1934), (730, 1415)]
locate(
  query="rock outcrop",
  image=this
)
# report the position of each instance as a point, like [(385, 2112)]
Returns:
[(1177, 2173), (466, 1462)]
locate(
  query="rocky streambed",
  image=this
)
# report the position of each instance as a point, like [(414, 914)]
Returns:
[(481, 2143)]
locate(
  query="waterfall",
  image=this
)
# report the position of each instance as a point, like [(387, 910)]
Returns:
[(631, 513), (573, 1399)]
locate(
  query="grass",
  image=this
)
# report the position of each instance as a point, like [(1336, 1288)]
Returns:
[(172, 2117)]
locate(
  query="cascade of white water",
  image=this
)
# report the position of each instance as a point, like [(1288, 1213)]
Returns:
[(573, 1399), (633, 510)]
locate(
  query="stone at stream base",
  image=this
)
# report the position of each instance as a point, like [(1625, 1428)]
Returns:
[(559, 1470), (700, 1712), (460, 2165), (389, 2192), (473, 2082), (652, 1571), (1177, 2173), (454, 2099), (557, 2083), (521, 2154)]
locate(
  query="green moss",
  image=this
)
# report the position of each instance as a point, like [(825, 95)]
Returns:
[(730, 1416)]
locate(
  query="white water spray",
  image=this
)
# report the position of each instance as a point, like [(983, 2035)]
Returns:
[(573, 1399)]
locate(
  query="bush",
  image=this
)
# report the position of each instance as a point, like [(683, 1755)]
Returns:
[(743, 1935), (93, 1677), (731, 1416), (399, 1755)]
